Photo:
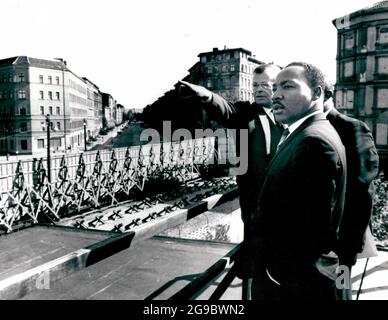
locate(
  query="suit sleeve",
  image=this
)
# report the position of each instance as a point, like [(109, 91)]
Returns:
[(368, 157), (363, 168), (226, 113)]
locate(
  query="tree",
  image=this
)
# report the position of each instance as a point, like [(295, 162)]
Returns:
[(380, 209)]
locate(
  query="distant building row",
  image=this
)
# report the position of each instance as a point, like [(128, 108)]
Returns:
[(32, 88)]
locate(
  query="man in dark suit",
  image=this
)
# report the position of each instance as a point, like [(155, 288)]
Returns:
[(263, 137), (362, 167), (303, 193)]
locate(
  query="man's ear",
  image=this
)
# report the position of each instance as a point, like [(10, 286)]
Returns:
[(317, 93)]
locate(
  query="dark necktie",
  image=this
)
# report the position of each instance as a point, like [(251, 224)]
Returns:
[(285, 133)]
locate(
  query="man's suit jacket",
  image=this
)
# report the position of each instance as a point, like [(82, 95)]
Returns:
[(362, 164), (301, 202), (244, 115)]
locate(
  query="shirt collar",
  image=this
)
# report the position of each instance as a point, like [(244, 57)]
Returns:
[(296, 124), (268, 111)]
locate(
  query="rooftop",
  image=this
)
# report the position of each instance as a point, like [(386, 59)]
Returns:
[(34, 62)]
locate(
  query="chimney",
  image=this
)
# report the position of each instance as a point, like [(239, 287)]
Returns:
[(61, 59), (215, 49)]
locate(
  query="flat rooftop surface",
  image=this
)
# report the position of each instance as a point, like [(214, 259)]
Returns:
[(34, 246), (157, 267)]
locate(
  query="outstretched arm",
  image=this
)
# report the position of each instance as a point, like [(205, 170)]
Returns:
[(218, 108), (189, 91)]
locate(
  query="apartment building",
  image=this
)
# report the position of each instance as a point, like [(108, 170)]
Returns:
[(32, 90), (362, 70), (95, 112), (227, 72)]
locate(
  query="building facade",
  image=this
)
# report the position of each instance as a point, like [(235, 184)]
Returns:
[(32, 89), (362, 70), (109, 106), (227, 72), (94, 117)]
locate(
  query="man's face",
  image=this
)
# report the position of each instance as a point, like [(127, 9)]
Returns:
[(262, 88), (293, 96)]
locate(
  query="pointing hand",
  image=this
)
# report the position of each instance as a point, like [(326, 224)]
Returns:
[(189, 90)]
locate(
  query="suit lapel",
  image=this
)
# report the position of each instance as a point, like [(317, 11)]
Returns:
[(305, 124)]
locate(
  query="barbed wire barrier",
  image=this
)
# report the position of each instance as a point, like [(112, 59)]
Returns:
[(95, 179)]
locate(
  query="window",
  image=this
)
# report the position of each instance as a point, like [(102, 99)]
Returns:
[(41, 95), (40, 143), (21, 77), (42, 110), (43, 125), (349, 99), (203, 59), (23, 126), (348, 69), (50, 110), (349, 41), (10, 77), (12, 145), (382, 98), (382, 65), (50, 95), (58, 125), (383, 35), (58, 110), (57, 96), (23, 111), (382, 133), (232, 67), (344, 99), (21, 94), (209, 70), (209, 83), (10, 94), (40, 78), (224, 68), (23, 144), (50, 79)]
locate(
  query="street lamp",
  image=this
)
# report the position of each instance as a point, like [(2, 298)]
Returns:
[(85, 134), (48, 148)]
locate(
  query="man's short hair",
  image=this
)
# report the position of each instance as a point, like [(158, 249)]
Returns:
[(313, 74), (329, 89), (263, 67)]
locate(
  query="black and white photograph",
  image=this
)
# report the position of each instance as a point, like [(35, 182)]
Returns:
[(213, 155)]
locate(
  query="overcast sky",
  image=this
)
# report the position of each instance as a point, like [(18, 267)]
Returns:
[(137, 50)]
